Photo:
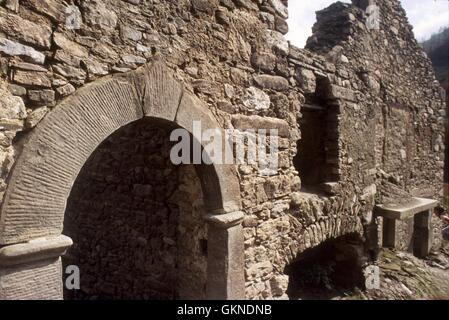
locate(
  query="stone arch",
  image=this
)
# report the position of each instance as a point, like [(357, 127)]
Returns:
[(54, 153)]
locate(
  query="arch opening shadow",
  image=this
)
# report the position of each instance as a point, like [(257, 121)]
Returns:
[(328, 270), (136, 220)]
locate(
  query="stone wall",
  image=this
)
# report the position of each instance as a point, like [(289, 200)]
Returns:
[(399, 107), (232, 55), (393, 133)]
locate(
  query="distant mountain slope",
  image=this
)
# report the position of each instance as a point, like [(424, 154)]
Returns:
[(437, 48)]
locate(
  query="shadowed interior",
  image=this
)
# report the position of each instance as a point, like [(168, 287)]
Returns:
[(136, 220)]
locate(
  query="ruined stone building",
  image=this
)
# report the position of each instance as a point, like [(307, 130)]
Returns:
[(90, 91)]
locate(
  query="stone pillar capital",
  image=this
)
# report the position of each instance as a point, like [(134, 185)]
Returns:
[(34, 250), (225, 221)]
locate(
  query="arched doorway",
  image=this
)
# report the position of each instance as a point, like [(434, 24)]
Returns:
[(136, 220), (32, 214)]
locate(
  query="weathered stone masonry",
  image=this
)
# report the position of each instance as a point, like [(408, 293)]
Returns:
[(75, 73)]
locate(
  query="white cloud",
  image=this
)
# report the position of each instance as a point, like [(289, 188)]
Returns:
[(427, 17), (302, 17)]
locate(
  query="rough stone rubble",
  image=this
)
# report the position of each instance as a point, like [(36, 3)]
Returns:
[(384, 110)]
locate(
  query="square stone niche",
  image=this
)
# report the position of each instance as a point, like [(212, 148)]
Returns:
[(408, 227)]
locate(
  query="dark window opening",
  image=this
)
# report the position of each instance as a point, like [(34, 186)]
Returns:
[(203, 246), (317, 158)]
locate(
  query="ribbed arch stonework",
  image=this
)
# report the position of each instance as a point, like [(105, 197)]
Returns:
[(57, 149)]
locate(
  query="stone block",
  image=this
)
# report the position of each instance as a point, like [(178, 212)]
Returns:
[(30, 78), (40, 280), (280, 8), (51, 8), (243, 123), (256, 100), (225, 263), (97, 15), (42, 97), (27, 31), (206, 6), (307, 80), (277, 41), (11, 107), (35, 117), (276, 83), (12, 48)]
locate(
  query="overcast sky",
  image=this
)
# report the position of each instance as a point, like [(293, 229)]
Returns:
[(426, 16)]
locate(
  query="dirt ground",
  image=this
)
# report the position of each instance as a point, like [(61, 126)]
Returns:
[(405, 277)]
